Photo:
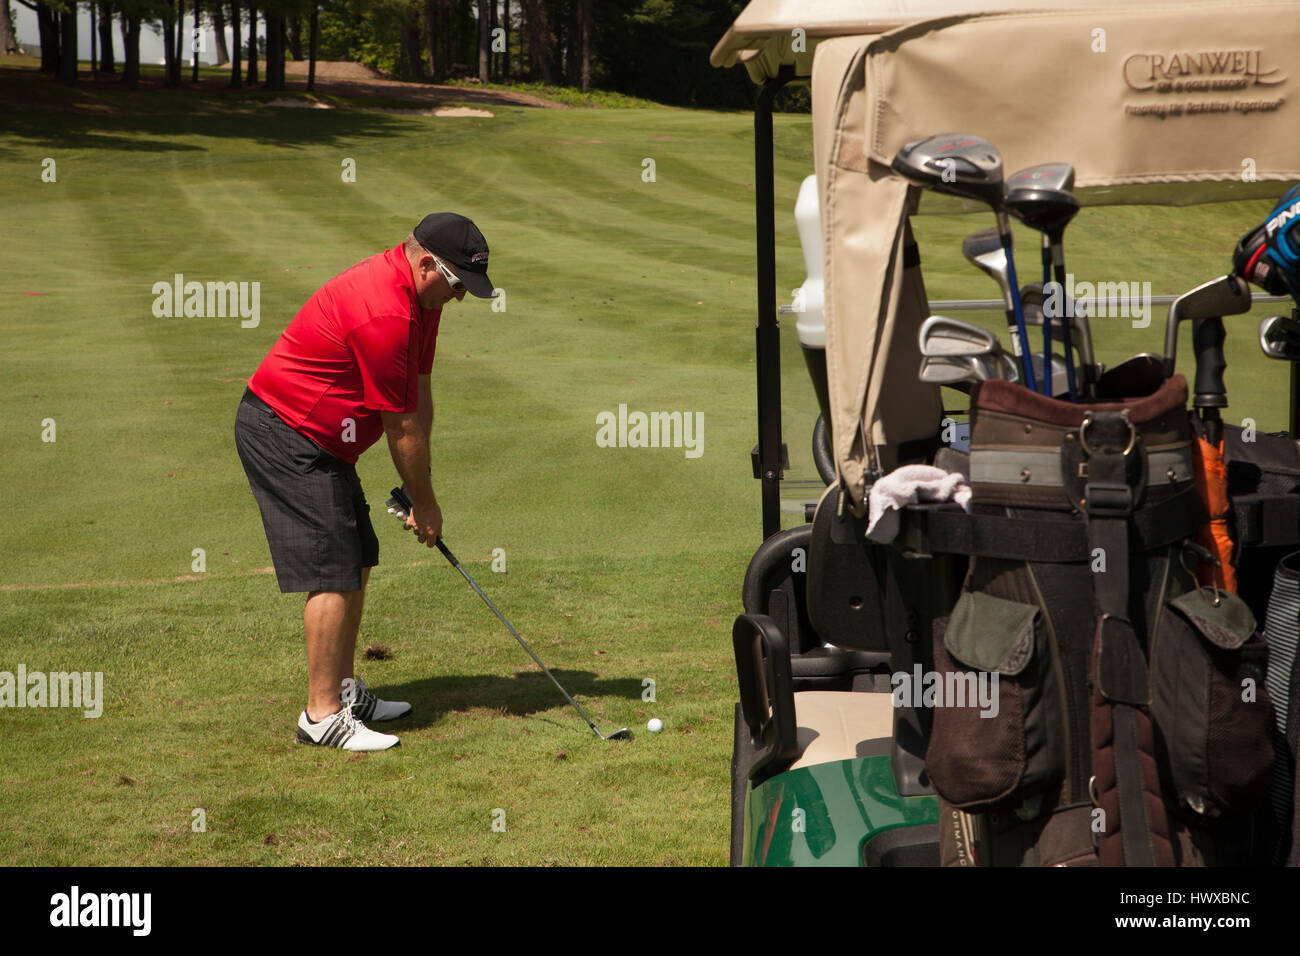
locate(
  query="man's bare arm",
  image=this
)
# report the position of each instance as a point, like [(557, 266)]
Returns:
[(426, 407), (408, 442)]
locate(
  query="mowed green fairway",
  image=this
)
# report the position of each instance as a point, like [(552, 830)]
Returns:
[(623, 565)]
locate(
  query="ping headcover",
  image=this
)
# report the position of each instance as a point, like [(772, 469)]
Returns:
[(1269, 255)]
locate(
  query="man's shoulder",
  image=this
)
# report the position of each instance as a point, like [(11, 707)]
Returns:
[(367, 290)]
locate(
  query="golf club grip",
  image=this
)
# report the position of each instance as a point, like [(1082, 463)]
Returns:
[(1207, 343), (403, 499)]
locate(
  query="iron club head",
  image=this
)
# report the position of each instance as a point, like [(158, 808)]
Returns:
[(1279, 337)]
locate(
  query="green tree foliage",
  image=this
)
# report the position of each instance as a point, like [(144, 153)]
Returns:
[(367, 31)]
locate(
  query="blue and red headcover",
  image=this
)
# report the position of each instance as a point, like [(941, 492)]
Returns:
[(1269, 255)]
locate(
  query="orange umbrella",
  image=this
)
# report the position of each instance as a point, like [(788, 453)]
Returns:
[(1211, 474)]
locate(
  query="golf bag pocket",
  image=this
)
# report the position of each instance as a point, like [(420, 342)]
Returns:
[(991, 735), (1212, 711)]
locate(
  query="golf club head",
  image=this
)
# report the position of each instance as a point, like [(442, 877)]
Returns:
[(1137, 377), (1056, 176), (943, 337), (1279, 337), (959, 164), (1040, 206), (948, 370), (1060, 382), (623, 734), (1032, 297), (984, 250), (1226, 295)]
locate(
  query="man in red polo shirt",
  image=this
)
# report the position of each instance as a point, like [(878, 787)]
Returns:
[(353, 365)]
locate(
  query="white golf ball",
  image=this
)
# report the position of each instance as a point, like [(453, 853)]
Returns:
[(655, 725)]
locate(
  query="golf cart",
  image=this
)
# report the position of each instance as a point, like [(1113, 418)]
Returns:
[(830, 761)]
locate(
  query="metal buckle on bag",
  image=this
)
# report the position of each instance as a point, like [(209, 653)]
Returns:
[(1209, 558), (1128, 421), (1105, 499)]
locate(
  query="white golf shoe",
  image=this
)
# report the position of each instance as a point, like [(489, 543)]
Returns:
[(342, 730), (366, 706)]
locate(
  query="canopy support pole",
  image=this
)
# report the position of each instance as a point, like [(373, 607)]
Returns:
[(767, 334)]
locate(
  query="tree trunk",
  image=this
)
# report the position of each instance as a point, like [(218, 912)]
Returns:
[(172, 44), (252, 46), (311, 47), (411, 47), (194, 44), (295, 37), (169, 49), (130, 51), (8, 44), (448, 43), (274, 53), (68, 47), (431, 40), (178, 61), (573, 45), (219, 28), (484, 42), (107, 62), (49, 27), (541, 39), (236, 74), (585, 39)]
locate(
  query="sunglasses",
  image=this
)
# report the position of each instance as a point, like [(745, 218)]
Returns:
[(452, 279)]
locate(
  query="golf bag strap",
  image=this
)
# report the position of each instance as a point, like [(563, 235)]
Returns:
[(1023, 538), (1121, 692)]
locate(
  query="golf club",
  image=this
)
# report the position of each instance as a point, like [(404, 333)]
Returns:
[(1041, 198), (400, 496), (1279, 337), (1079, 338), (970, 167), (956, 351), (984, 250), (1141, 375), (1206, 305)]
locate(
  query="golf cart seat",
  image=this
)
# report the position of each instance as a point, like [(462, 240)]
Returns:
[(780, 730), (776, 586), (789, 729)]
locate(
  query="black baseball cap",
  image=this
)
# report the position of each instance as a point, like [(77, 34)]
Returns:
[(456, 240)]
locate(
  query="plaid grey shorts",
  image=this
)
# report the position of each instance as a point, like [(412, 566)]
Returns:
[(314, 512)]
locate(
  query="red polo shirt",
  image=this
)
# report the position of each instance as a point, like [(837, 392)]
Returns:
[(357, 348)]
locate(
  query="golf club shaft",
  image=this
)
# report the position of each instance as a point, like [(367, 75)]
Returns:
[(1058, 261), (400, 495), (1004, 235), (446, 553)]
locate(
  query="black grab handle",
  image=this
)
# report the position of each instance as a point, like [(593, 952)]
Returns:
[(1207, 344)]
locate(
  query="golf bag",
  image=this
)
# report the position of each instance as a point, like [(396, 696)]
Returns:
[(1132, 724)]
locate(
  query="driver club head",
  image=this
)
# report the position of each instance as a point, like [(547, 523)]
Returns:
[(1045, 210), (1279, 337), (959, 164)]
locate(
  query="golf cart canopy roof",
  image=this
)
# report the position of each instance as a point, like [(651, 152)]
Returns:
[(1152, 102), (766, 37)]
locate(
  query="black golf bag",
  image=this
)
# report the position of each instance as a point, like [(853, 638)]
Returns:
[(1133, 725)]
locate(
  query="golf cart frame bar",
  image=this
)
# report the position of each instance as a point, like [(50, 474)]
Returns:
[(767, 333)]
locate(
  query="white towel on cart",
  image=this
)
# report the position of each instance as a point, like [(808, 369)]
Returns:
[(909, 485)]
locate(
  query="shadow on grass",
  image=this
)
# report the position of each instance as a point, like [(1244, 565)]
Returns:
[(38, 109), (521, 695)]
